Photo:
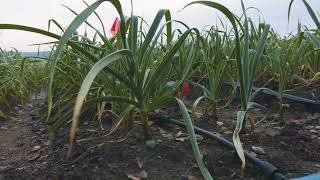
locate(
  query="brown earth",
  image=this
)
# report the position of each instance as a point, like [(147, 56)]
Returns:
[(26, 153)]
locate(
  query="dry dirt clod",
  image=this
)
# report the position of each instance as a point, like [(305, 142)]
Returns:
[(168, 136), (283, 143), (182, 139), (273, 132), (4, 168), (43, 157), (258, 150), (313, 116), (180, 136), (34, 157), (151, 144), (36, 148), (190, 177), (313, 131), (227, 132), (132, 177), (142, 175), (219, 123), (309, 127)]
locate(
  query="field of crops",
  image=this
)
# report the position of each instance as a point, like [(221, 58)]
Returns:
[(230, 101)]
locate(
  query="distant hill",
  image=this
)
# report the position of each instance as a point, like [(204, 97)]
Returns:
[(36, 54)]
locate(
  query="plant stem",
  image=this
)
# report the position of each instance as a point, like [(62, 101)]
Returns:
[(146, 127)]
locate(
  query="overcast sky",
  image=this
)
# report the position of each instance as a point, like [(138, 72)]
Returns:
[(37, 13)]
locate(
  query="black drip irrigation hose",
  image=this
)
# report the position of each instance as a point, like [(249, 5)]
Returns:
[(291, 97), (285, 96), (268, 169)]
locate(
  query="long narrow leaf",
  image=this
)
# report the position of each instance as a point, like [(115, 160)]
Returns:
[(205, 173), (236, 138), (87, 84), (63, 41)]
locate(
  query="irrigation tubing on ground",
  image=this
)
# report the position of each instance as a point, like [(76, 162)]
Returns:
[(268, 169), (285, 96), (291, 97)]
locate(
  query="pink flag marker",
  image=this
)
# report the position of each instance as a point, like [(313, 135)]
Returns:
[(115, 27)]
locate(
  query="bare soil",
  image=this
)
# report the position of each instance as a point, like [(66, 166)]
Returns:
[(27, 153)]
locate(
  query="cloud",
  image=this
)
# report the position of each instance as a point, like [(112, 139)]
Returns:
[(38, 12)]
